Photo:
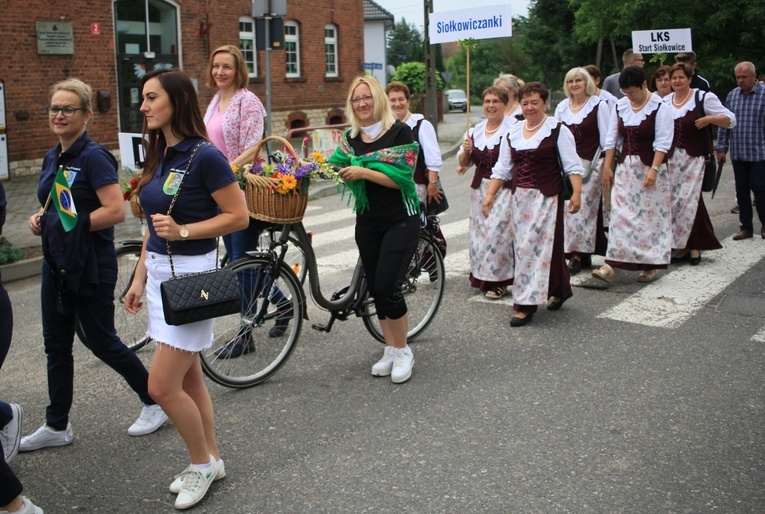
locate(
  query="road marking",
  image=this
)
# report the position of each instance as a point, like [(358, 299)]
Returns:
[(676, 296), (759, 336)]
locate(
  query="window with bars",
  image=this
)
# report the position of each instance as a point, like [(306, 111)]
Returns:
[(330, 50), (247, 44)]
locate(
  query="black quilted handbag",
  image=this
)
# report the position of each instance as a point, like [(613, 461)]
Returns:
[(198, 296)]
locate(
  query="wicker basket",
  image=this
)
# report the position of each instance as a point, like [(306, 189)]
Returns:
[(262, 200), (135, 206)]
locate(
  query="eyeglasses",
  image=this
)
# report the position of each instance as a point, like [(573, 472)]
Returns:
[(631, 94), (68, 111), (366, 99)]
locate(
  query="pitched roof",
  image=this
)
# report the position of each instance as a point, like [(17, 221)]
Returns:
[(373, 11)]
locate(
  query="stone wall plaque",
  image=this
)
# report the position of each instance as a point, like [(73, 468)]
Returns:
[(55, 38)]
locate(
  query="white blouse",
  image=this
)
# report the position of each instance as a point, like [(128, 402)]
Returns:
[(428, 142), (563, 113), (572, 164), (479, 134), (664, 130), (712, 106)]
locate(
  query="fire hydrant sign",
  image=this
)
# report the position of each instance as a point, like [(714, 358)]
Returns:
[(475, 23), (667, 41)]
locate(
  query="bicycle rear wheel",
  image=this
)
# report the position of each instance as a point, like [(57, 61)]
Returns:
[(423, 289), (131, 328), (245, 351)]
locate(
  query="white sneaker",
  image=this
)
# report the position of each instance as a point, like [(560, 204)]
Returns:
[(403, 362), (152, 417), (383, 367), (10, 435), (196, 482), (46, 437), (177, 484), (26, 508)]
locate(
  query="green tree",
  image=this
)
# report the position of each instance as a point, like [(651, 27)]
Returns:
[(405, 44), (413, 75)]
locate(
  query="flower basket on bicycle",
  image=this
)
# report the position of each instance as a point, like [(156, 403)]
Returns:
[(277, 198), (135, 206)]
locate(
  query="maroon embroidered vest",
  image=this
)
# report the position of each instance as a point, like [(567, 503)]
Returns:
[(586, 134), (639, 140), (538, 168), (484, 161), (695, 142), (420, 170)]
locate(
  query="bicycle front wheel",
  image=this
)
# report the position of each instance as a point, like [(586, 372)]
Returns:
[(249, 348), (423, 288), (131, 328)]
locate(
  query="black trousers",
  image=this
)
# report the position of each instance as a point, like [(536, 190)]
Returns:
[(10, 486), (386, 251), (750, 176)]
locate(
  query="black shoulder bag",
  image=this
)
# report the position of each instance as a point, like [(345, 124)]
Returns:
[(710, 164), (198, 296)]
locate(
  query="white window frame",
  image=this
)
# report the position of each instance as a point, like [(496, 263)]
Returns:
[(249, 36), (330, 51), (292, 39)]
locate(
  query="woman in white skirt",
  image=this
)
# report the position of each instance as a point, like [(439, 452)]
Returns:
[(531, 157), (692, 229), (586, 115), (208, 205), (490, 232), (639, 235)]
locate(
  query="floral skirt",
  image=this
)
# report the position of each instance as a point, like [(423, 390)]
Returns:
[(581, 228), (491, 237), (639, 232)]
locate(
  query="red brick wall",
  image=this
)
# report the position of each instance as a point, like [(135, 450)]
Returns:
[(28, 76)]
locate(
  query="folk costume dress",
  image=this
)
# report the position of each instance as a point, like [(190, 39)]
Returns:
[(639, 234), (490, 237), (429, 157), (584, 230), (691, 226), (533, 170)]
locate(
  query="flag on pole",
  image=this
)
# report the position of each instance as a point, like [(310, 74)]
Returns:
[(62, 199)]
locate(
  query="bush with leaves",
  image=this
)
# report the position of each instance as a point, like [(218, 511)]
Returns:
[(413, 75), (8, 253)]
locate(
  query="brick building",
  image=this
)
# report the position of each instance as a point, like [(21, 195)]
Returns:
[(110, 43)]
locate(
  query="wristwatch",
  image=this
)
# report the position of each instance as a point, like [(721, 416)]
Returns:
[(655, 168), (431, 181), (183, 232)]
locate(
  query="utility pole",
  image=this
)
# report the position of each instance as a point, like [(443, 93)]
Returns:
[(431, 95)]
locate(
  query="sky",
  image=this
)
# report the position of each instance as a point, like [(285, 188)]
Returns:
[(414, 10)]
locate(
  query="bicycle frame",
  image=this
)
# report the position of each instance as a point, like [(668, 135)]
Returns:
[(339, 307)]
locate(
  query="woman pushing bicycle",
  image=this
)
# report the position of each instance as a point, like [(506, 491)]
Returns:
[(377, 156)]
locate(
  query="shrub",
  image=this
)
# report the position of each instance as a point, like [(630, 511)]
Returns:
[(8, 253)]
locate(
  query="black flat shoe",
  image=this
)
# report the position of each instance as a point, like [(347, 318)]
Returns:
[(519, 322), (695, 261), (284, 315), (680, 258), (586, 261), (242, 345), (574, 267), (555, 305)]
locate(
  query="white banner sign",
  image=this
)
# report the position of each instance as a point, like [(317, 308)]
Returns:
[(670, 41), (476, 23), (131, 150)]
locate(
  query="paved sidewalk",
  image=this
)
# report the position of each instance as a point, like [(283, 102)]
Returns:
[(21, 193)]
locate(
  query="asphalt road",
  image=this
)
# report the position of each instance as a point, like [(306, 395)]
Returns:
[(580, 411)]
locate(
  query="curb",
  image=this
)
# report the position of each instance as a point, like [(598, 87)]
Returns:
[(21, 269)]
